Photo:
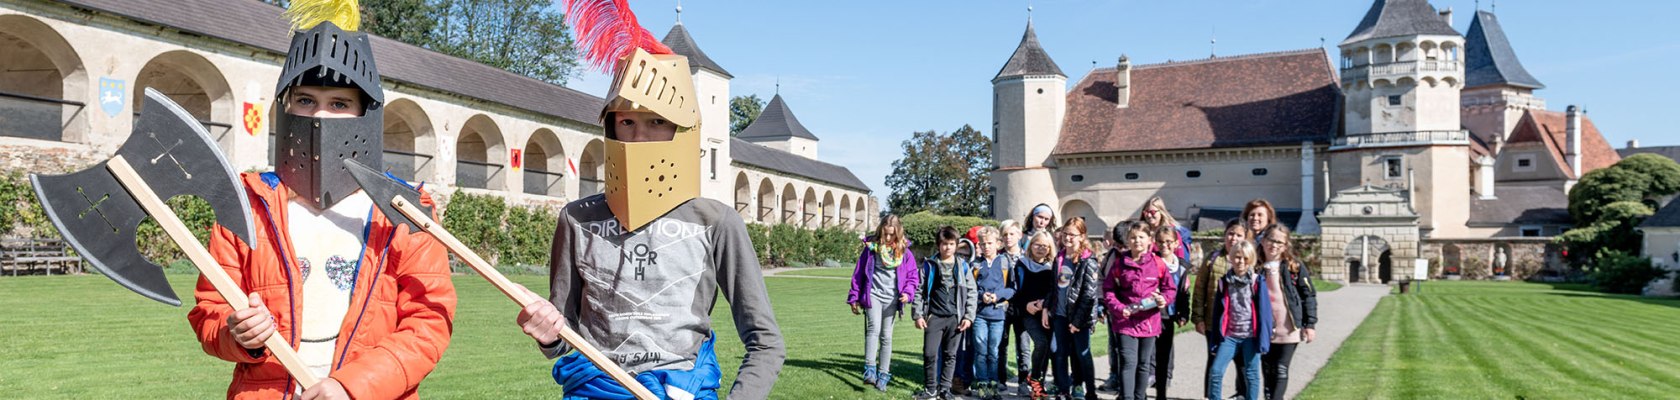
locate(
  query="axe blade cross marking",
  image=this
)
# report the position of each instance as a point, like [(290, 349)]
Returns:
[(167, 151), (94, 207)]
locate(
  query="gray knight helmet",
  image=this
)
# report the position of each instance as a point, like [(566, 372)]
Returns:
[(310, 152)]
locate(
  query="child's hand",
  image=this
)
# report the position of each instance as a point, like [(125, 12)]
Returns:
[(855, 309), (1044, 320), (904, 298), (921, 323), (964, 325), (327, 389), (1201, 327), (1126, 312), (1073, 329), (252, 326), (541, 320), (1307, 335), (1160, 301)]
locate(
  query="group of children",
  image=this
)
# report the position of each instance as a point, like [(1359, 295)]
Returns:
[(1045, 286)]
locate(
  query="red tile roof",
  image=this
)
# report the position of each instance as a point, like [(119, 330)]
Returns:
[(1549, 129), (1250, 100)]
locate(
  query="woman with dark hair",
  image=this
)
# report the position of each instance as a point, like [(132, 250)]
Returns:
[(1258, 215), (1295, 307), (884, 280), (1041, 218)]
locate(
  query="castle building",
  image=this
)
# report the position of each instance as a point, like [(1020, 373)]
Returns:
[(72, 71), (1420, 148)]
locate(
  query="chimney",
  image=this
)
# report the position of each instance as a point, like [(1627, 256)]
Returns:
[(1633, 143), (1447, 15), (1572, 154), (1123, 81), (1498, 145), (1484, 179)]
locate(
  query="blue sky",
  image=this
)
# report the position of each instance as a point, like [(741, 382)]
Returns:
[(864, 75)]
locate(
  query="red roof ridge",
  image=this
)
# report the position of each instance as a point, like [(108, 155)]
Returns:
[(1270, 54)]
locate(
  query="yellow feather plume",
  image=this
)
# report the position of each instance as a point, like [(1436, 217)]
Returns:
[(305, 14)]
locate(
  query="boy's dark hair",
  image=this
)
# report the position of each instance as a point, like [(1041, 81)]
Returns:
[(948, 234)]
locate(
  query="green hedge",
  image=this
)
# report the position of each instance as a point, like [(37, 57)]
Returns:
[(516, 238), (788, 246), (21, 215), (923, 228)]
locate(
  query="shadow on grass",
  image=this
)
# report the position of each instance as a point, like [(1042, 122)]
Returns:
[(847, 368), (1587, 294)]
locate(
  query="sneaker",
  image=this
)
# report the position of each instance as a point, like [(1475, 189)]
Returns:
[(882, 379), (959, 387), (869, 373), (927, 394), (1036, 389), (1110, 385)]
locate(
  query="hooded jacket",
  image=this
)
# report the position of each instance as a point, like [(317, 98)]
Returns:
[(1082, 292), (400, 315), (967, 296), (1131, 280), (1221, 305), (863, 276)]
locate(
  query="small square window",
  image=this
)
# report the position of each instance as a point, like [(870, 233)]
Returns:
[(1393, 168), (1525, 163), (1394, 100), (1193, 174), (1131, 176), (1530, 231)]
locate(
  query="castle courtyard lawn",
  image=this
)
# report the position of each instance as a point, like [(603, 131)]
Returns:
[(86, 337), (1485, 340)]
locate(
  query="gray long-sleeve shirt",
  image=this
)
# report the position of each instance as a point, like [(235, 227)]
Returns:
[(645, 298)]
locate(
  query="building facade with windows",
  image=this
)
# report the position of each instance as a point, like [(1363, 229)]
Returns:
[(73, 70), (1418, 143)]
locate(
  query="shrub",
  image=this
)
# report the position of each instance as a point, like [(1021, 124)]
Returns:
[(529, 237), (477, 221), (923, 228), (1619, 272), (789, 246)]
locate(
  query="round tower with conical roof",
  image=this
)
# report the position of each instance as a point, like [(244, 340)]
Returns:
[(1401, 72), (1029, 99)]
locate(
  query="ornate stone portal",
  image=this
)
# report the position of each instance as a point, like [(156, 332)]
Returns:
[(1370, 235)]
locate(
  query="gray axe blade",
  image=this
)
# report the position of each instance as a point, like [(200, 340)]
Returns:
[(382, 187), (174, 155)]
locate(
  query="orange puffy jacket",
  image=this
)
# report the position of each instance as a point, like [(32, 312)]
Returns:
[(393, 334)]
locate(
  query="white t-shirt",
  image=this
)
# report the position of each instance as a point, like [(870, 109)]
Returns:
[(328, 246)]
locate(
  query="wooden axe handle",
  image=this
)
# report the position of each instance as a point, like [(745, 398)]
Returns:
[(206, 264), (518, 295)]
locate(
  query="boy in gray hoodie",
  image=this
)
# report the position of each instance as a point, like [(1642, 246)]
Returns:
[(945, 309)]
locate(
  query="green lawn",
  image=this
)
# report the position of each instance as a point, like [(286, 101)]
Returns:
[(1482, 340), (86, 337)]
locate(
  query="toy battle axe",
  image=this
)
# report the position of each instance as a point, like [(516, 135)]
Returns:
[(168, 154), (401, 204)]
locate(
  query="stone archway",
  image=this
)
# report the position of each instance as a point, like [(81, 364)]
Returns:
[(42, 80), (1365, 230), (767, 202), (479, 151), (195, 84), (409, 141), (544, 159), (744, 197), (590, 168)]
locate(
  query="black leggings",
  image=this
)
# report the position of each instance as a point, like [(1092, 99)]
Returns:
[(1274, 369), (1163, 359), (1137, 356)]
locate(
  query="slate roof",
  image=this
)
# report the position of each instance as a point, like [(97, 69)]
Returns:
[(683, 44), (1390, 18), (748, 153), (1672, 152), (1266, 99), (1029, 59), (1522, 205), (260, 25), (1549, 130), (1668, 216), (776, 122), (1489, 59)]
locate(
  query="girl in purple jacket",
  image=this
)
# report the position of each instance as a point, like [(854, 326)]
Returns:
[(1137, 288), (884, 281)]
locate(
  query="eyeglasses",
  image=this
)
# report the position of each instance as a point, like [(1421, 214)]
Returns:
[(1277, 242)]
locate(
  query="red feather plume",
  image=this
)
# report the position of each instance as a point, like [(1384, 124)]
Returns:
[(607, 31)]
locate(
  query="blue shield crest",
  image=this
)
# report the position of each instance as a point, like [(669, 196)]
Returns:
[(113, 94)]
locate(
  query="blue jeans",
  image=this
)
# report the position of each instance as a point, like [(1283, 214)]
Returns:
[(1247, 354), (1072, 350), (987, 334)]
